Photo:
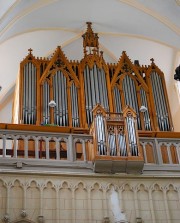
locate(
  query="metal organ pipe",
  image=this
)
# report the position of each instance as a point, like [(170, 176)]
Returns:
[(24, 96), (60, 97), (29, 94), (165, 112), (117, 100), (122, 144), (160, 102), (74, 105), (155, 96), (95, 90), (132, 136), (101, 137), (96, 84), (46, 99), (130, 95), (112, 142), (55, 93), (104, 84), (86, 96), (147, 123)]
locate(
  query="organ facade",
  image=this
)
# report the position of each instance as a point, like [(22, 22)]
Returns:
[(78, 86)]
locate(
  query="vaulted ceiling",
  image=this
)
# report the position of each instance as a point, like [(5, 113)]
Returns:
[(143, 28)]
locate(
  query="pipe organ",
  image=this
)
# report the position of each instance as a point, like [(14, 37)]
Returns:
[(77, 87)]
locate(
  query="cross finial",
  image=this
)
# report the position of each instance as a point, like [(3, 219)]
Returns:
[(152, 60), (30, 51)]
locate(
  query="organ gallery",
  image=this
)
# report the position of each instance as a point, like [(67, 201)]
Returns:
[(91, 96), (94, 142), (115, 104)]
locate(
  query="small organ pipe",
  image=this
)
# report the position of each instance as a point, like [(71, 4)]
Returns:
[(86, 97), (101, 88), (96, 84), (104, 92), (100, 135), (93, 92), (132, 136), (146, 114), (75, 104), (117, 99)]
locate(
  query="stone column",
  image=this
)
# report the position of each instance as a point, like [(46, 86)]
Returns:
[(89, 188), (151, 205), (166, 205)]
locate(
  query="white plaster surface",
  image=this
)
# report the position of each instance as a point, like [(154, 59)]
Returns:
[(64, 199)]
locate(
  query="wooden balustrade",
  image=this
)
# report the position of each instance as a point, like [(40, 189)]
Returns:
[(108, 152), (47, 145)]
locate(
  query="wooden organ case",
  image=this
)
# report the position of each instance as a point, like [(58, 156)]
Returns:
[(78, 88)]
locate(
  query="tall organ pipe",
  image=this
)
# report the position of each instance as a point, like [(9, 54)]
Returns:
[(86, 96), (160, 102), (95, 90), (29, 94), (60, 97), (74, 106), (130, 95), (165, 112), (46, 112), (147, 124)]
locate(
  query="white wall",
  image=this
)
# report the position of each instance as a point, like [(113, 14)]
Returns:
[(82, 199)]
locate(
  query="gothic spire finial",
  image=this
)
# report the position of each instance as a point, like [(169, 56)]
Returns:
[(90, 39)]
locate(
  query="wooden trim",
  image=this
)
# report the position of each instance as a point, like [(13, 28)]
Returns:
[(82, 107)]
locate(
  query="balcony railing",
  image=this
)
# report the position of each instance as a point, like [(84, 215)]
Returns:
[(161, 154), (44, 146), (55, 148)]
